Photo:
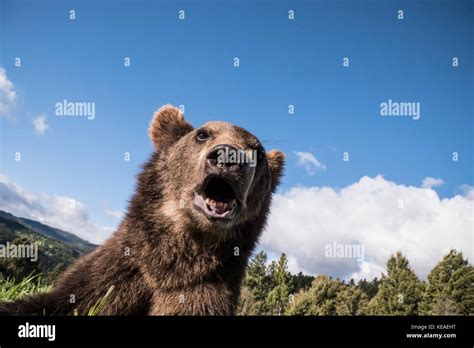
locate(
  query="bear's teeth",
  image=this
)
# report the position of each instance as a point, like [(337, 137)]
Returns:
[(220, 206), (210, 202)]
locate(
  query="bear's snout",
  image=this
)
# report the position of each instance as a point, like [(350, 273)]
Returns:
[(234, 164), (227, 158)]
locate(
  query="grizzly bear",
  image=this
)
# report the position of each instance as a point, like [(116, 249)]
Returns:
[(183, 245)]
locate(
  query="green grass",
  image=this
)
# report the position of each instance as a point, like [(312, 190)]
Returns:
[(97, 308), (11, 290)]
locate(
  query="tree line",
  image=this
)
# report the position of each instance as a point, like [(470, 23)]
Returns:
[(270, 289)]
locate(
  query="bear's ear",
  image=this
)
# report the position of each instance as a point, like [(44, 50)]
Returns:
[(276, 162), (167, 126)]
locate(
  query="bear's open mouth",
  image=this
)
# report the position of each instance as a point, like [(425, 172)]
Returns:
[(217, 199)]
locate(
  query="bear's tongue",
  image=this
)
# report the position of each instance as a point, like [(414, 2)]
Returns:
[(219, 207)]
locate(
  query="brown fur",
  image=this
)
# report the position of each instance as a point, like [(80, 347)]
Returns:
[(179, 261)]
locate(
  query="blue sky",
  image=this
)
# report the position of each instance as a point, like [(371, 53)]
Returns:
[(282, 62)]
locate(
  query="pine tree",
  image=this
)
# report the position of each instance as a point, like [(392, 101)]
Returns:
[(256, 285), (319, 299), (399, 291), (369, 287), (301, 281), (450, 289), (351, 300), (257, 277), (445, 306), (246, 304), (279, 297)]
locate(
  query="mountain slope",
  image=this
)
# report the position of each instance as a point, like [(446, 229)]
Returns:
[(52, 257), (76, 243)]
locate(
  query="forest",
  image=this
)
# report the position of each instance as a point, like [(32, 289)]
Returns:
[(270, 289)]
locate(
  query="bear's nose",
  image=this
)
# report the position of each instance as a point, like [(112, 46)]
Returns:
[(227, 158)]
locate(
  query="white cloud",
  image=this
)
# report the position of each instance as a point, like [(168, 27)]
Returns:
[(430, 182), (40, 124), (468, 191), (304, 220), (7, 94), (116, 214), (61, 212), (368, 270), (309, 162)]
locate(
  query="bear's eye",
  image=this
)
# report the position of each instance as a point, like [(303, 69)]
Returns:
[(202, 136)]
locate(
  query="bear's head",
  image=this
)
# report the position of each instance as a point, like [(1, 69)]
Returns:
[(215, 177)]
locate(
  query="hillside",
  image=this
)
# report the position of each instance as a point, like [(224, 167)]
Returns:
[(76, 243), (56, 249)]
